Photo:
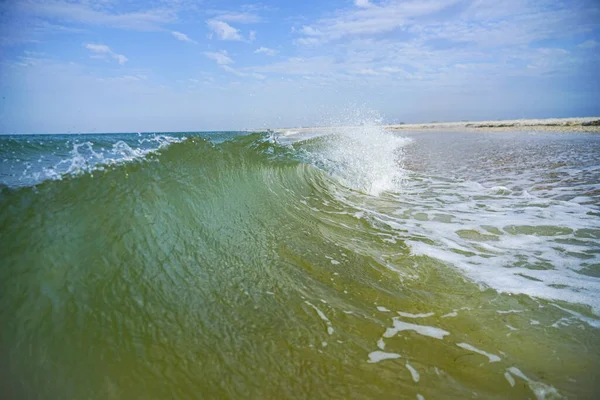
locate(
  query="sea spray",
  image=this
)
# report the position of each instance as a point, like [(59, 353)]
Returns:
[(30, 160), (361, 154)]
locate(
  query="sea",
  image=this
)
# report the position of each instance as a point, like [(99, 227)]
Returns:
[(352, 263)]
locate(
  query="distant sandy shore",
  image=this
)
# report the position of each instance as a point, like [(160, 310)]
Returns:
[(589, 124)]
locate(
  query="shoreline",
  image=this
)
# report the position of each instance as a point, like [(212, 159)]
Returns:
[(587, 124)]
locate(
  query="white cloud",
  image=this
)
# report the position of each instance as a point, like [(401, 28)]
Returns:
[(125, 78), (102, 51), (391, 70), (310, 31), (29, 61), (98, 48), (307, 41), (430, 39), (422, 53), (121, 59), (183, 37), (252, 36), (367, 71), (97, 15), (220, 57), (239, 17), (302, 66), (479, 23), (223, 30), (34, 53), (266, 51), (371, 19), (589, 44), (224, 60), (242, 74), (487, 24)]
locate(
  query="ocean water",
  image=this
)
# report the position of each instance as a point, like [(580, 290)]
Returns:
[(354, 264)]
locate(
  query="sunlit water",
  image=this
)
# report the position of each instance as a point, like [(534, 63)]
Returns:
[(359, 264)]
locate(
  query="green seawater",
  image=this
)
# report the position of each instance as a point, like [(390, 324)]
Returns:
[(446, 266)]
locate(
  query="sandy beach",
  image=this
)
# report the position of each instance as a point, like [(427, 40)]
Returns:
[(587, 124)]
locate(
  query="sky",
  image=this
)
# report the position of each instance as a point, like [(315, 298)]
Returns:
[(69, 66)]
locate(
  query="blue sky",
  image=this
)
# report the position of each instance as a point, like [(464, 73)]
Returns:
[(180, 65)]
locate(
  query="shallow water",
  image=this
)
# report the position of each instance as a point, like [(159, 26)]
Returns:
[(361, 264)]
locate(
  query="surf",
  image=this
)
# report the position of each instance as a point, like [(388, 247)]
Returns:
[(337, 256)]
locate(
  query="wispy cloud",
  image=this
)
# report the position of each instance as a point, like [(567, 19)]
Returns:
[(238, 17), (391, 70), (223, 30), (589, 44), (320, 65), (266, 51), (85, 13), (224, 61), (220, 57), (458, 54), (367, 71), (15, 31), (103, 51), (124, 78), (183, 37), (237, 72), (430, 41), (362, 3), (369, 19)]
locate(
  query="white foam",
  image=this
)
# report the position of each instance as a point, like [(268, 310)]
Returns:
[(382, 309), (515, 242), (364, 157), (381, 344), (517, 372), (506, 225), (451, 314), (377, 356), (541, 390), (409, 315), (424, 330), (321, 315), (509, 378), (413, 372), (591, 321), (562, 282), (492, 357), (88, 156)]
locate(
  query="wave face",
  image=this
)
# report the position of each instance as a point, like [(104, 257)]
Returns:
[(354, 264)]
